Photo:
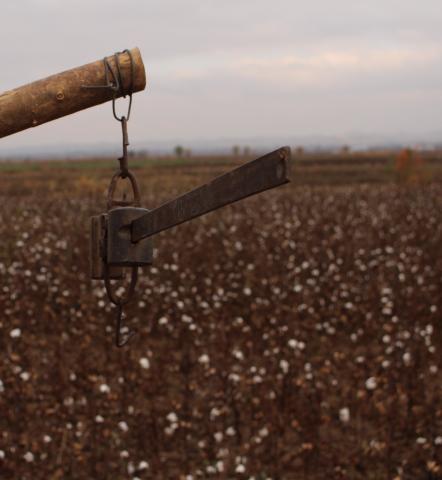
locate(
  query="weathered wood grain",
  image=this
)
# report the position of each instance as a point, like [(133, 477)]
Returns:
[(64, 93)]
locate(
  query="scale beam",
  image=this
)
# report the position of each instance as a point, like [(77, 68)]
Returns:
[(269, 171)]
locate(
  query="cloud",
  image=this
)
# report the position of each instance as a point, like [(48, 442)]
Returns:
[(331, 65), (238, 67)]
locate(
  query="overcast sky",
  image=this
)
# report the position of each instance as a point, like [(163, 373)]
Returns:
[(237, 68)]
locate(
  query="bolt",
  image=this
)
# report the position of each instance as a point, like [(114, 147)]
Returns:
[(60, 96)]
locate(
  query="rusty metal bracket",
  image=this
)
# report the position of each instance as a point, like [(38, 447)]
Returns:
[(120, 250), (97, 250)]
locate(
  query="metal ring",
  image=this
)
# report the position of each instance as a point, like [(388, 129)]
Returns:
[(113, 185), (119, 79), (119, 302)]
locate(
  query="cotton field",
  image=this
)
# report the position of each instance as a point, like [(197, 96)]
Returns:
[(293, 335)]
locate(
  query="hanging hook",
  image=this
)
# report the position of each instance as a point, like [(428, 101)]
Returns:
[(119, 302), (119, 341), (124, 169)]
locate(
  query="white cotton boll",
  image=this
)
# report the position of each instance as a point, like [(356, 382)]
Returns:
[(29, 457), (25, 376), (238, 355), (292, 343), (218, 436), (247, 291), (284, 365), (406, 357), (215, 412), (104, 388), (15, 333), (271, 395), (2, 454), (204, 359), (240, 468), (238, 246), (143, 465), (371, 383), (144, 363), (186, 318), (344, 415), (123, 426), (438, 440), (220, 466), (264, 432), (163, 321), (124, 454), (421, 440), (172, 417), (99, 419), (230, 432), (2, 387), (405, 335)]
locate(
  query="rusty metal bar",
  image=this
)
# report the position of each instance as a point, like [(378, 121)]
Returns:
[(269, 171)]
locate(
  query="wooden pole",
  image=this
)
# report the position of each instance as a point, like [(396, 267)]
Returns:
[(65, 93)]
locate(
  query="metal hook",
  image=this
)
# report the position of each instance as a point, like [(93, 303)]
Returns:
[(124, 169), (118, 330)]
